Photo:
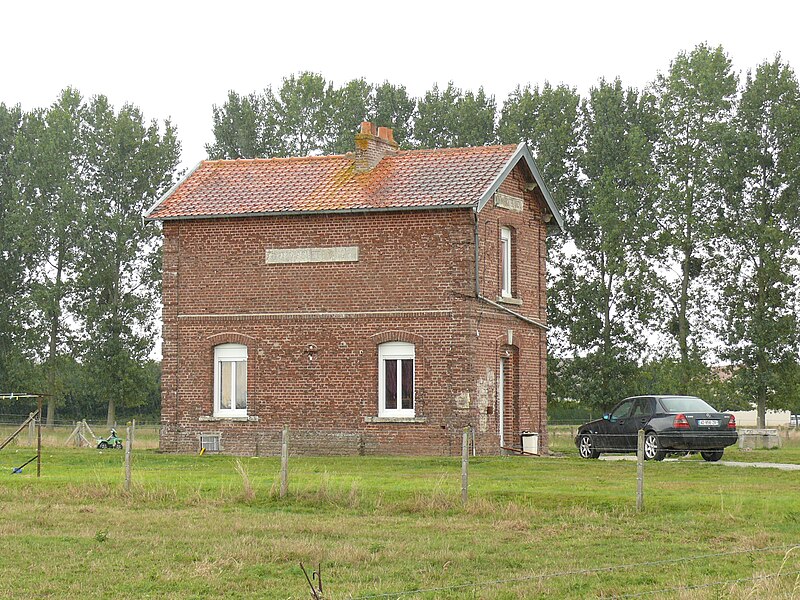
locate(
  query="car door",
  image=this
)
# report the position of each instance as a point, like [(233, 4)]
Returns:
[(615, 426), (643, 410)]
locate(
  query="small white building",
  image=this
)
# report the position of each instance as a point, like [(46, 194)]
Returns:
[(749, 418)]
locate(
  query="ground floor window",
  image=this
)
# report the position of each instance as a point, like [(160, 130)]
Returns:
[(230, 380), (396, 379)]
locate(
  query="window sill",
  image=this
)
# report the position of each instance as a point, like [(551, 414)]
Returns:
[(509, 300), (246, 419), (395, 419)]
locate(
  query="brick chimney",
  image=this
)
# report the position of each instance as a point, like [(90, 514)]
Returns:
[(372, 144)]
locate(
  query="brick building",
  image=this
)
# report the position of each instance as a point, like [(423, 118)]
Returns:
[(376, 302)]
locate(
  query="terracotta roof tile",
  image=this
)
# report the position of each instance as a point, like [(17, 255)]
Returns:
[(408, 179)]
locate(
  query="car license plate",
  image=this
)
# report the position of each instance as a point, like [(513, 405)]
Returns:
[(708, 422)]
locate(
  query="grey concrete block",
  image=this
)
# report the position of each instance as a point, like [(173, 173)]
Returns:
[(753, 439)]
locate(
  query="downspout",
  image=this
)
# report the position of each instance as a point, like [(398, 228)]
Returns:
[(177, 326), (477, 270)]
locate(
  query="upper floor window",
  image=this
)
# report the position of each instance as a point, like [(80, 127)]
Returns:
[(230, 380), (396, 379), (505, 262)]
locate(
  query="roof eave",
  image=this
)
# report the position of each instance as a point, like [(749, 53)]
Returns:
[(335, 211), (524, 153)]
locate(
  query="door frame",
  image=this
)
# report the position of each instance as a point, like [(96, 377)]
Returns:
[(501, 400)]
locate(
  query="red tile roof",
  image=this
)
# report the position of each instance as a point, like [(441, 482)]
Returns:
[(408, 179)]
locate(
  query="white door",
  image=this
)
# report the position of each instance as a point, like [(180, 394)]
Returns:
[(501, 402)]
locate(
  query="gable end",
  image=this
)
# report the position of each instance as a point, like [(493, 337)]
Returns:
[(523, 153)]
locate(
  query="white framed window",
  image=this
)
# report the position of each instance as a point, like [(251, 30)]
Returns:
[(505, 262), (396, 379), (230, 380)]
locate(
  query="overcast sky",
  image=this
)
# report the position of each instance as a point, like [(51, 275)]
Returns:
[(178, 59)]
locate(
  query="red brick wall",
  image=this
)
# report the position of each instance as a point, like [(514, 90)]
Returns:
[(414, 281), (526, 384)]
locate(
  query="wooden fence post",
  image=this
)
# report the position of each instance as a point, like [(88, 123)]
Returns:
[(31, 429), (640, 472), (89, 429), (285, 461), (464, 465), (39, 437), (128, 448)]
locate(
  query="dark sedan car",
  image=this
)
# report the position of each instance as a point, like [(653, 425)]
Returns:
[(671, 424)]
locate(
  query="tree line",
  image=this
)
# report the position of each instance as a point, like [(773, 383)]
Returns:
[(81, 270), (678, 271)]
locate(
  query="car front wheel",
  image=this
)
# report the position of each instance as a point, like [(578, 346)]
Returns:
[(652, 448), (586, 447), (712, 455)]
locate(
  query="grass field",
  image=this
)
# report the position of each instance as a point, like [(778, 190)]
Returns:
[(197, 527)]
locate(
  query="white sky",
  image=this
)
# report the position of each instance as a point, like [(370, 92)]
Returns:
[(177, 59)]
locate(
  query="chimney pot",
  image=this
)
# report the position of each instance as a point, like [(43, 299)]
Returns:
[(385, 133), (367, 127)]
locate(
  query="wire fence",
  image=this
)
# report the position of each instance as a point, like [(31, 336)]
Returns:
[(148, 434), (62, 433)]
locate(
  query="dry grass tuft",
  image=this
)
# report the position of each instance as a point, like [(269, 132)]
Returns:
[(248, 493), (437, 500), (355, 495), (324, 492)]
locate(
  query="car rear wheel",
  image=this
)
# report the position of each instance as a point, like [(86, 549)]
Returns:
[(712, 455), (652, 448), (586, 447)]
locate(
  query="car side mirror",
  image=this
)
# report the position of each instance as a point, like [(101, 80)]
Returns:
[(606, 417)]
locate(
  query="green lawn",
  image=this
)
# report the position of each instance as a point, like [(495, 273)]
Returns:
[(191, 529)]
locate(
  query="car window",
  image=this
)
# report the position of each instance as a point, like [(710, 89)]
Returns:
[(679, 404), (643, 408), (622, 411)]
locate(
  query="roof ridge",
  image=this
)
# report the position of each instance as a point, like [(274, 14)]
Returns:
[(313, 157), (272, 158), (456, 149)]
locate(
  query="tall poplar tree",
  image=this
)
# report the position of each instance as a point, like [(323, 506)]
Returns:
[(601, 299), (347, 106), (13, 251), (757, 256), (245, 127), (695, 103), (51, 187), (548, 120), (130, 163), (454, 118), (394, 108), (302, 109)]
